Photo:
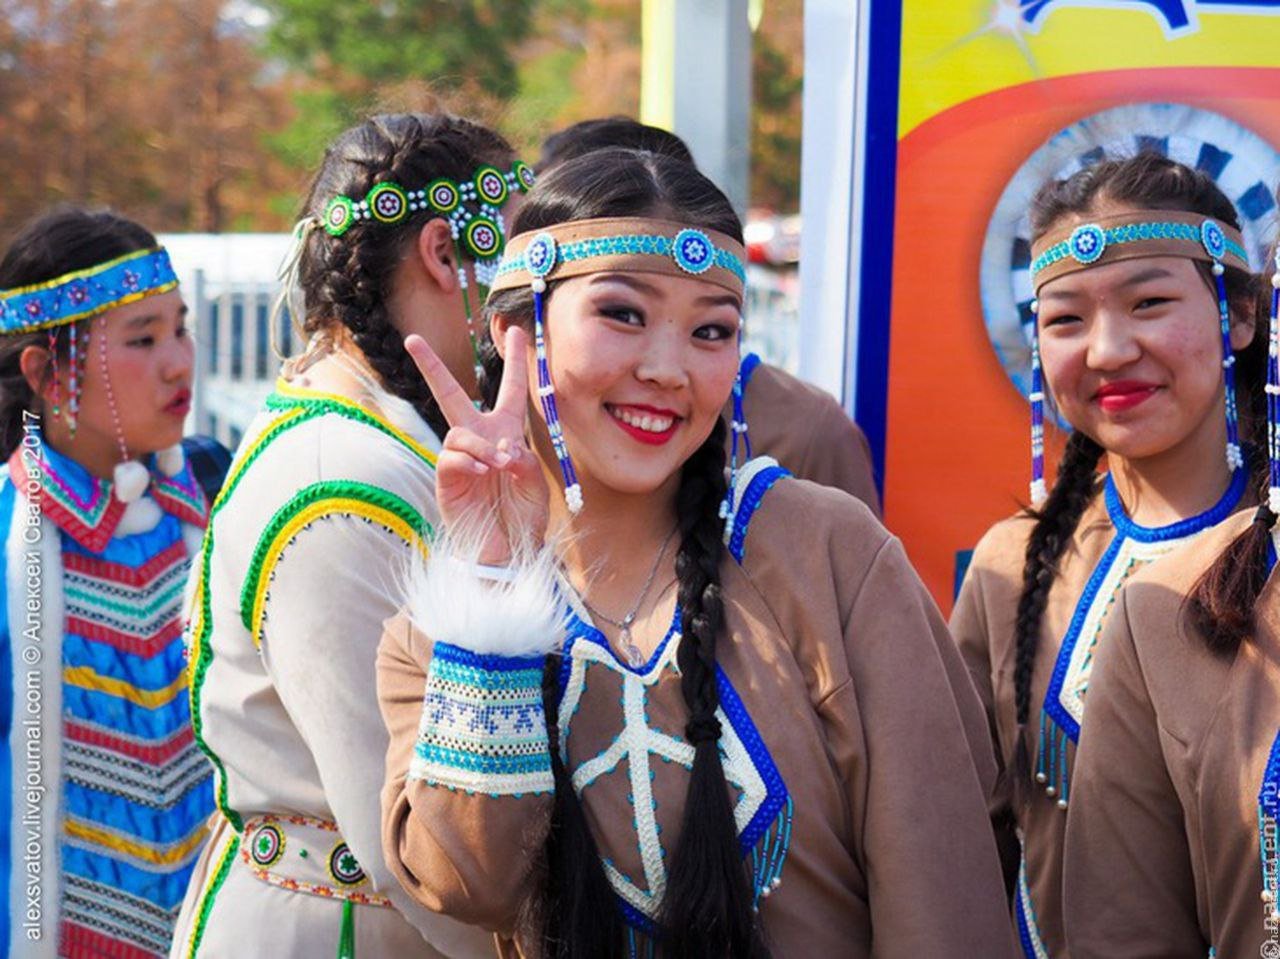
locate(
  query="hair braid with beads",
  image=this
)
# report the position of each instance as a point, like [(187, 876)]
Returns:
[(346, 279)]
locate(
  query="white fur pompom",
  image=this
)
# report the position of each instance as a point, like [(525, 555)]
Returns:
[(510, 611), (131, 481), (170, 460)]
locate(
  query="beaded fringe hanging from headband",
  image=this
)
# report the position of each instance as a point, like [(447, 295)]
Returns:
[(1273, 393), (1130, 236)]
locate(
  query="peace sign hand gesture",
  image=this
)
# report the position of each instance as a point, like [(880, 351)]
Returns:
[(486, 473)]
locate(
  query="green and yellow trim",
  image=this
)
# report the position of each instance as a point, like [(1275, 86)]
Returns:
[(339, 497), (216, 879), (293, 406)]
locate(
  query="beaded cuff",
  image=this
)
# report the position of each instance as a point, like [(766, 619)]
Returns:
[(85, 293), (483, 726)]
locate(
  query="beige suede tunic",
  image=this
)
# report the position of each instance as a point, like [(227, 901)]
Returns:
[(303, 562), (837, 660), (1163, 833), (1106, 549), (808, 432)]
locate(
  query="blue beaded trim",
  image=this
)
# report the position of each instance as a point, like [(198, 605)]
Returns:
[(1087, 243), (633, 244), (85, 293), (760, 484), (483, 726)]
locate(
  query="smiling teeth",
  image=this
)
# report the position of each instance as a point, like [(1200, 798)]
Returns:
[(650, 424)]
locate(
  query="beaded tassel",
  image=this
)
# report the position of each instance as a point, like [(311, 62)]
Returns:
[(53, 363), (739, 430), (1273, 393), (769, 855), (130, 478), (1269, 835), (1235, 458), (1039, 492), (76, 365), (466, 308), (547, 397)]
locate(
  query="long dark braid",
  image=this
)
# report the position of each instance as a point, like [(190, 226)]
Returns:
[(347, 279), (1056, 522), (707, 910)]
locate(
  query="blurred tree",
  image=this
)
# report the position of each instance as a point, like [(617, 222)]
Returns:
[(778, 81)]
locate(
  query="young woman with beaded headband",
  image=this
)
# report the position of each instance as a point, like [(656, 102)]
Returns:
[(1144, 299), (673, 729), (1172, 845), (332, 489), (106, 795), (767, 401)]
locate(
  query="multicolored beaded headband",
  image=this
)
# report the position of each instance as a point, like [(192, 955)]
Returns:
[(1142, 233), (624, 245), (472, 207), (85, 293)]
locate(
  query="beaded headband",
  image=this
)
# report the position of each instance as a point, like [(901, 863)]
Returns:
[(471, 206), (1133, 235), (624, 245), (85, 293)]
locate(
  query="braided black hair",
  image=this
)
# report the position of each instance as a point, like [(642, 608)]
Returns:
[(707, 909), (66, 239), (347, 279), (1148, 181)]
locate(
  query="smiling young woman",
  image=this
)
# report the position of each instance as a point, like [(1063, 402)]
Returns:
[(639, 707), (106, 795), (1144, 300), (1179, 774)]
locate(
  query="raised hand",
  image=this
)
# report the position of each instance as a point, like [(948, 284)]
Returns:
[(486, 474)]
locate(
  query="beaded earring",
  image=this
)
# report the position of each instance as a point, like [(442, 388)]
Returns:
[(75, 375), (1215, 244), (53, 364), (540, 257)]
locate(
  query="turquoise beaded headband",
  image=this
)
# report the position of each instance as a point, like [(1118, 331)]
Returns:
[(626, 245), (471, 206), (85, 293), (1132, 235)]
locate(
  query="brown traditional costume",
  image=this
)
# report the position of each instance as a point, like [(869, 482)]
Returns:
[(1163, 833), (850, 731)]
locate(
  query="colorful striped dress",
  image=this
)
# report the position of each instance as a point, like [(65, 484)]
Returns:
[(107, 796)]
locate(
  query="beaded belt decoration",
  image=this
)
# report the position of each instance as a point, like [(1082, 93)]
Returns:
[(306, 855), (85, 293), (1129, 236), (625, 245)]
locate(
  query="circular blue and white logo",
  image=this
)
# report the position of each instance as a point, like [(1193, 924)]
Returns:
[(1087, 243), (693, 251), (1214, 240), (540, 255)]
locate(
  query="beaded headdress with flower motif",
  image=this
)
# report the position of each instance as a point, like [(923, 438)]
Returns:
[(624, 245), (1143, 233)]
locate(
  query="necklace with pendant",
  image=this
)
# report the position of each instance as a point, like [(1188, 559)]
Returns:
[(632, 652)]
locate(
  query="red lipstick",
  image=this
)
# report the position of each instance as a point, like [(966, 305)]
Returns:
[(1124, 394), (643, 420), (180, 405)]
